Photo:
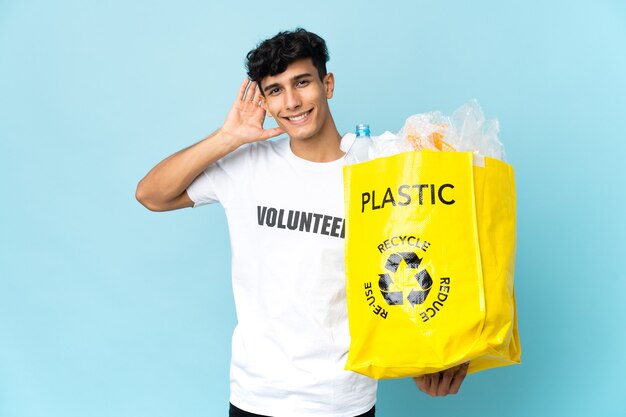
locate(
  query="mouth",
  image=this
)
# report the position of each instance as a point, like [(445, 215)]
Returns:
[(299, 119)]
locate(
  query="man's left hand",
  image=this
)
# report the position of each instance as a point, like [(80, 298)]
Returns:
[(444, 382)]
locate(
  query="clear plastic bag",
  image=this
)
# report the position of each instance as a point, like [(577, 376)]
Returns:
[(472, 132), (467, 130)]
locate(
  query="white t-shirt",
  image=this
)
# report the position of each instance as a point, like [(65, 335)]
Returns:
[(285, 217)]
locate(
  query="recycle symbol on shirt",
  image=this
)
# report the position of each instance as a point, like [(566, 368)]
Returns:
[(411, 266)]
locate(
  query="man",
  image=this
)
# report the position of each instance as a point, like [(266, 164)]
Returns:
[(284, 204)]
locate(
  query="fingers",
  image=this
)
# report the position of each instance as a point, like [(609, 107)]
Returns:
[(242, 89), (446, 379), (256, 98), (270, 133), (460, 375), (444, 382), (420, 382), (433, 383), (253, 92), (248, 91), (425, 383)]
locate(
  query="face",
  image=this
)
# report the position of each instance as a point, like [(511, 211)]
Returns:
[(298, 99)]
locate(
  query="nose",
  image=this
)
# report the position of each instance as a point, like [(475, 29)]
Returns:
[(292, 99)]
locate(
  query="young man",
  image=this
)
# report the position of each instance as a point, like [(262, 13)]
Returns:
[(284, 204)]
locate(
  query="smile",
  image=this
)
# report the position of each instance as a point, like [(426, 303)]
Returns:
[(300, 118)]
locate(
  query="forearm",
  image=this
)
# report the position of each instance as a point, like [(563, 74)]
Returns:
[(171, 177)]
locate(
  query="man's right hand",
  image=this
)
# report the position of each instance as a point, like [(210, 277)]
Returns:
[(244, 122), (164, 187)]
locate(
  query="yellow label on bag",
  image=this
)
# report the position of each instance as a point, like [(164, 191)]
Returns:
[(413, 264)]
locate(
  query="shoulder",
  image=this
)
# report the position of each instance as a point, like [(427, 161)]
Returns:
[(253, 153), (268, 148), (254, 149), (273, 144)]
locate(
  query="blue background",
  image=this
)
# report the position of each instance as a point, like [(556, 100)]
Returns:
[(107, 309)]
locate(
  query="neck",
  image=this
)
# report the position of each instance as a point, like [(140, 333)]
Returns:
[(323, 147)]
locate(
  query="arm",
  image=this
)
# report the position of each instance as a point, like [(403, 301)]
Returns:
[(444, 382), (164, 187)]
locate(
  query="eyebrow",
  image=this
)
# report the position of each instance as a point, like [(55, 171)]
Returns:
[(295, 78)]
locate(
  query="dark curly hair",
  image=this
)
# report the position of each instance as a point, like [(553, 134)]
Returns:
[(274, 55)]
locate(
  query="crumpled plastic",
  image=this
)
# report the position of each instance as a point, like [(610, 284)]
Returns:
[(388, 144), (467, 130)]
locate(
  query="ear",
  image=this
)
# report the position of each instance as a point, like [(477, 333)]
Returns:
[(329, 85)]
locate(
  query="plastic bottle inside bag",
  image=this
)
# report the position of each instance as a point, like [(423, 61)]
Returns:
[(360, 149)]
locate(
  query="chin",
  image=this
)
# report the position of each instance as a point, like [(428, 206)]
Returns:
[(301, 135)]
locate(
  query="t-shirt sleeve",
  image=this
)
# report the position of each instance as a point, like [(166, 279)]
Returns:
[(217, 182), (202, 189)]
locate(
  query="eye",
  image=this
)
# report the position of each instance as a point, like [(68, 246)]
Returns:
[(274, 91), (303, 83)]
